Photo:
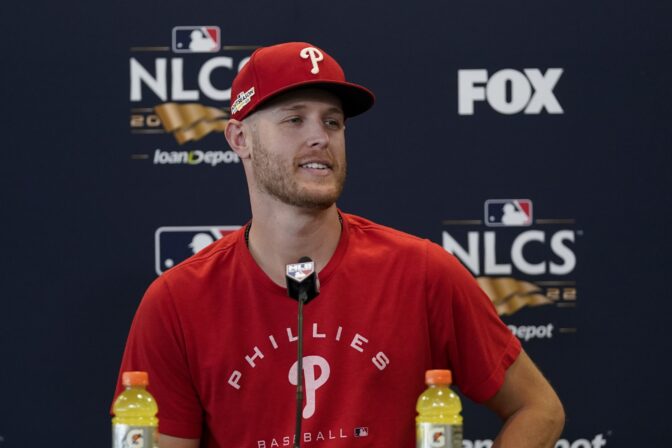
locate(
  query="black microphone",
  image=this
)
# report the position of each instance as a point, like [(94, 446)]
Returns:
[(302, 282), (303, 286)]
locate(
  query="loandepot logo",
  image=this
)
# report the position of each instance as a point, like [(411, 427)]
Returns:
[(180, 93), (598, 441), (524, 263)]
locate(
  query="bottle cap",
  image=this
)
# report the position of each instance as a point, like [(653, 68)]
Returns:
[(438, 377), (134, 379)]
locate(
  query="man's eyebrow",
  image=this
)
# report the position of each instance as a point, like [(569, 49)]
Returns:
[(293, 107), (335, 109)]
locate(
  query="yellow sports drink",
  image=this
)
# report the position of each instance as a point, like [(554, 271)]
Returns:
[(439, 423), (135, 424)]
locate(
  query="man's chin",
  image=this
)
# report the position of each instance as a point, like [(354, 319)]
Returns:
[(308, 197), (313, 203), (313, 200)]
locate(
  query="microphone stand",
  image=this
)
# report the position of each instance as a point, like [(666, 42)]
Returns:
[(299, 372), (302, 285)]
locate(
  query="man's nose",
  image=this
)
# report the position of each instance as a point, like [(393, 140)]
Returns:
[(318, 137)]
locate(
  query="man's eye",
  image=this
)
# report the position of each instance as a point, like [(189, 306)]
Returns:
[(335, 124), (294, 120)]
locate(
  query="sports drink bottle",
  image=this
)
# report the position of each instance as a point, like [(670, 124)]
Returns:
[(135, 424), (439, 423)]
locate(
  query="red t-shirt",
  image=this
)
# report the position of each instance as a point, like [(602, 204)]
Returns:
[(218, 339)]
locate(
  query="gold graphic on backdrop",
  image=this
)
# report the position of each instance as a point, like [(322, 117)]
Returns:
[(510, 295), (191, 122)]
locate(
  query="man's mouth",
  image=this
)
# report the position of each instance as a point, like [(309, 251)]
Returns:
[(315, 166)]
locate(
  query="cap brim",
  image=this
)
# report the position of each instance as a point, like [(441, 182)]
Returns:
[(355, 99)]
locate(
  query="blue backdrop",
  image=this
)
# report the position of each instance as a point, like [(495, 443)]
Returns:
[(560, 110)]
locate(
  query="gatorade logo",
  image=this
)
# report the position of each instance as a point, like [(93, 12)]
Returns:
[(134, 439), (311, 379), (438, 437)]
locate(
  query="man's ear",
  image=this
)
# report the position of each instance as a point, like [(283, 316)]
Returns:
[(239, 138)]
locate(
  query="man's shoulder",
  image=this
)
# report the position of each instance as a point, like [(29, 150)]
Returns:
[(387, 240), (196, 279), (378, 233)]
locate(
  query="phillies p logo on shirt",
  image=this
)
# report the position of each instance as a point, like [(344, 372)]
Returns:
[(312, 380)]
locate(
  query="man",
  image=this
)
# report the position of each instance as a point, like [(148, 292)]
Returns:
[(217, 333)]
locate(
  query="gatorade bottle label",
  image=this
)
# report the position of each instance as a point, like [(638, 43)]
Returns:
[(128, 436), (438, 436)]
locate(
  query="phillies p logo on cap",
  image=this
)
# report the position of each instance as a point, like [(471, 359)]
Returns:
[(315, 56)]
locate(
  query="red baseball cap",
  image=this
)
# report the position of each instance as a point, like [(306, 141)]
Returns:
[(279, 68)]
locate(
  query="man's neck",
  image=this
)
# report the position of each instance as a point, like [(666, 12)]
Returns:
[(284, 236)]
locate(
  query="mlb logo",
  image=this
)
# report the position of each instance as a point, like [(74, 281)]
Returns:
[(196, 39), (299, 271), (361, 432), (508, 212), (175, 244)]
